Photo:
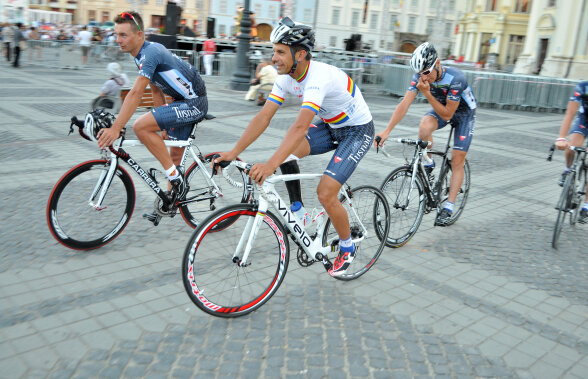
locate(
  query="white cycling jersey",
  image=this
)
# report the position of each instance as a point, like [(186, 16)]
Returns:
[(328, 92)]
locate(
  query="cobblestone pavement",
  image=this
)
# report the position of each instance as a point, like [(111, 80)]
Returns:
[(486, 297)]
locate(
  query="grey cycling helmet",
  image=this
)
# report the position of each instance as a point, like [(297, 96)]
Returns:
[(293, 34), (424, 57)]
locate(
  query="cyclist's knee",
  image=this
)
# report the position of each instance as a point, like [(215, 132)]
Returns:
[(458, 158)]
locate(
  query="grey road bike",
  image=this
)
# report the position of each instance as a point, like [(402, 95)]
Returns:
[(412, 191)]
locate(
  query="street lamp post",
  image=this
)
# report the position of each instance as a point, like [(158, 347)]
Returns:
[(241, 77)]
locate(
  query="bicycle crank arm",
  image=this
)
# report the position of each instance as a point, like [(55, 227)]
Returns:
[(324, 260)]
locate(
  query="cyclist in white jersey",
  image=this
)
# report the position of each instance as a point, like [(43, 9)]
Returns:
[(345, 126)]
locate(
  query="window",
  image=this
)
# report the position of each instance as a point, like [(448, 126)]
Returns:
[(390, 46), (222, 30), (551, 3), (307, 15), (335, 16), (393, 22), (490, 5), (105, 16), (333, 41), (374, 20), (355, 18), (451, 5), (199, 4), (395, 4), (257, 10), (222, 7), (515, 47), (522, 6), (414, 3), (432, 4), (272, 12), (159, 2), (429, 29), (381, 43), (448, 28), (411, 24)]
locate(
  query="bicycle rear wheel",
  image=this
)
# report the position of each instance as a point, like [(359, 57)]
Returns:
[(578, 195), (369, 217), (407, 205), (213, 275), (232, 182), (442, 189), (563, 206), (77, 224)]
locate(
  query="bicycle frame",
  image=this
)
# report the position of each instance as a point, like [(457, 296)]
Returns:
[(116, 152), (269, 197)]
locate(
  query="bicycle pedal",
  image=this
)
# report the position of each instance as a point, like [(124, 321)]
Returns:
[(153, 217)]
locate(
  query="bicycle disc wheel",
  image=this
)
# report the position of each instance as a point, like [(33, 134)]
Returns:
[(232, 182), (563, 207), (77, 224), (369, 217), (212, 272), (578, 196), (443, 190), (407, 206)]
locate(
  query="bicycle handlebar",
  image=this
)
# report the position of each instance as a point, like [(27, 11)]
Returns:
[(574, 148), (551, 151), (223, 164)]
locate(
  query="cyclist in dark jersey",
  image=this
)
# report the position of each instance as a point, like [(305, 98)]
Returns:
[(577, 111), (453, 101), (166, 74)]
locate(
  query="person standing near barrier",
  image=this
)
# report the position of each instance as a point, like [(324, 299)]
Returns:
[(208, 48), (85, 40), (34, 36), (166, 74), (19, 43), (453, 101), (8, 38), (265, 73), (577, 111)]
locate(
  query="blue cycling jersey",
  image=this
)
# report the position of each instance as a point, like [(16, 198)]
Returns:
[(580, 95), (452, 85), (174, 76)]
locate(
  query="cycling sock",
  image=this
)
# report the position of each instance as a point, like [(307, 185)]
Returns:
[(172, 172), (346, 245), (430, 165), (567, 169), (585, 206), (293, 186), (449, 206)]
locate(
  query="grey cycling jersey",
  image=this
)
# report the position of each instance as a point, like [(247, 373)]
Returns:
[(174, 76)]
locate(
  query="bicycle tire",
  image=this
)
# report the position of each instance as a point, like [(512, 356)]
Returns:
[(578, 195), (406, 213), (442, 190), (233, 193), (76, 224), (213, 279), (562, 207), (373, 212)]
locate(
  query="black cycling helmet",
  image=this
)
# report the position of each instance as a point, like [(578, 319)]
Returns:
[(292, 34)]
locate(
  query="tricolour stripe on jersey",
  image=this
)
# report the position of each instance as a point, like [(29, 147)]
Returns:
[(312, 106), (341, 117), (276, 99), (350, 86)]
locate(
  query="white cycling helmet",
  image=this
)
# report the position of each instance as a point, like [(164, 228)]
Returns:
[(293, 34), (424, 57)]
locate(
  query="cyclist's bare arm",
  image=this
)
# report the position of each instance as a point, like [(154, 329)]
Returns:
[(447, 111), (132, 100), (158, 96), (571, 111), (256, 127), (397, 116), (293, 138)]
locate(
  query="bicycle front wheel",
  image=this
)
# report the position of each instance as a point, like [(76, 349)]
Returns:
[(443, 187), (216, 276), (407, 205), (578, 195), (201, 197), (369, 218), (72, 218), (563, 206)]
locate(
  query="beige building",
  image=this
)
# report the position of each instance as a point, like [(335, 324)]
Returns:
[(557, 40), (194, 12), (493, 31)]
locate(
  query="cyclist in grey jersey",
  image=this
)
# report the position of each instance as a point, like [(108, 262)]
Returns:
[(453, 102), (166, 74)]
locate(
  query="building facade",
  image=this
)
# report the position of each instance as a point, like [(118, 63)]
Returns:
[(389, 25), (556, 42), (226, 15)]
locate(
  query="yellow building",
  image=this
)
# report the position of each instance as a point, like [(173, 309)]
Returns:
[(557, 40), (493, 32)]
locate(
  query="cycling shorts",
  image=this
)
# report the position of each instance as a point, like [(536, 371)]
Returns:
[(177, 118), (580, 126), (351, 143), (464, 128)]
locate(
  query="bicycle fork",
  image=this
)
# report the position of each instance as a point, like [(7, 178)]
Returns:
[(102, 185)]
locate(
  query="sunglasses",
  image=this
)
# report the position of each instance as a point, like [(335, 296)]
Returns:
[(128, 16), (426, 72)]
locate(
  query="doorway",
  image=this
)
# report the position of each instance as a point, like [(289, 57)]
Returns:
[(543, 43)]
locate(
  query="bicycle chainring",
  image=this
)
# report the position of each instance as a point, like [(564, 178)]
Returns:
[(303, 259)]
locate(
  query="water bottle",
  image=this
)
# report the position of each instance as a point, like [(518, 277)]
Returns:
[(300, 213)]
